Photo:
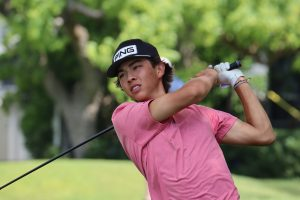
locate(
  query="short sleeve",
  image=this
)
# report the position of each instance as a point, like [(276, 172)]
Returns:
[(221, 122)]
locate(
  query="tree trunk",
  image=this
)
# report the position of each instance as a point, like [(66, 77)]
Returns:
[(79, 107)]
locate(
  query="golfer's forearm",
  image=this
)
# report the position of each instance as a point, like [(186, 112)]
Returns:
[(255, 114), (197, 89), (203, 83)]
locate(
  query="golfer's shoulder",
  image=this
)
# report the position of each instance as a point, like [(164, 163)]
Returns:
[(200, 108), (130, 109)]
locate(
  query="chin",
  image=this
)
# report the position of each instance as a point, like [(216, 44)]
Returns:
[(140, 98)]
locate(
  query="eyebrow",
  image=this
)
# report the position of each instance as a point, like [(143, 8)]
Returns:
[(134, 61)]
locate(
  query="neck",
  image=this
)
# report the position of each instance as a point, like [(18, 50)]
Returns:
[(160, 91)]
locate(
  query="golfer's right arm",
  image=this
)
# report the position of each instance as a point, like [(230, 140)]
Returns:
[(192, 92)]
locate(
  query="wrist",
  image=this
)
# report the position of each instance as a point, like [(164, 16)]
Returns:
[(241, 81), (235, 80), (241, 78)]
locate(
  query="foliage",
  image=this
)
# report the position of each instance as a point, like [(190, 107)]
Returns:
[(106, 147), (37, 41), (36, 104), (191, 33), (281, 159), (29, 32), (211, 32), (39, 131)]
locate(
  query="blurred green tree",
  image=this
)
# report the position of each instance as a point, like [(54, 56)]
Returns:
[(263, 32), (46, 58)]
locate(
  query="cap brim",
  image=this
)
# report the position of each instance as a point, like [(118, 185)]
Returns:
[(167, 62), (113, 69)]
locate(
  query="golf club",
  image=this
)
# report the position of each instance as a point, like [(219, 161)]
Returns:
[(235, 65)]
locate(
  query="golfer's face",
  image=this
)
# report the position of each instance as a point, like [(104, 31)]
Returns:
[(139, 79)]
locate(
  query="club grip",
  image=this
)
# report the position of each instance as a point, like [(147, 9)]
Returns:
[(235, 65)]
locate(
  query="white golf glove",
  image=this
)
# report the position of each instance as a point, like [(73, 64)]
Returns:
[(227, 77), (221, 67)]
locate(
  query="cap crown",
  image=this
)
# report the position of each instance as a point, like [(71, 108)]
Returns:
[(130, 49)]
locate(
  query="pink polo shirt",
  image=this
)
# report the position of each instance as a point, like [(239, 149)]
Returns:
[(181, 157)]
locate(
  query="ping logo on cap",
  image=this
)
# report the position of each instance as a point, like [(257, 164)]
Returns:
[(125, 51)]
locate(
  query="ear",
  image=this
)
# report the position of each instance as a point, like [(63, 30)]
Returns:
[(160, 69)]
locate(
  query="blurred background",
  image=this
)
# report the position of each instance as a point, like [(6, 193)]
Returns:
[(54, 92)]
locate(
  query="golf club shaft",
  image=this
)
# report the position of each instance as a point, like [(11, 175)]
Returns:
[(56, 157)]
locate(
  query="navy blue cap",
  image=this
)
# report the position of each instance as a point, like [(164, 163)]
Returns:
[(130, 49)]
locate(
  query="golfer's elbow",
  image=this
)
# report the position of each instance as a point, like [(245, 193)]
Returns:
[(267, 136), (271, 137)]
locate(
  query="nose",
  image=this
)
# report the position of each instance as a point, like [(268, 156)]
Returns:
[(130, 77)]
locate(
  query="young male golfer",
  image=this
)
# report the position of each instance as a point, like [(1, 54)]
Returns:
[(172, 141)]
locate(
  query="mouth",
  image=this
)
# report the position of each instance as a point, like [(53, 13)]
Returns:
[(135, 88)]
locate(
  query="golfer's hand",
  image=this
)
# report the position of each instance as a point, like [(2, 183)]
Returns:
[(225, 77), (222, 67)]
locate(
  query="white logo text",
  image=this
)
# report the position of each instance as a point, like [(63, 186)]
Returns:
[(125, 51)]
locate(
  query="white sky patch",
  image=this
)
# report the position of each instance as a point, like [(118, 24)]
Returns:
[(2, 32)]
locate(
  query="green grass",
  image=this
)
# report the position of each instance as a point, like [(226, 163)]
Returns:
[(268, 189), (73, 180), (112, 180)]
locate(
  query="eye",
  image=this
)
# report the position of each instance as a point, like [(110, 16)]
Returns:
[(120, 75), (136, 67)]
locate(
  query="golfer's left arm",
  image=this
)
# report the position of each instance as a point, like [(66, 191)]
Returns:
[(257, 128)]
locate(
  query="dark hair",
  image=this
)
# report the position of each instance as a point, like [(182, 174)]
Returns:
[(167, 77)]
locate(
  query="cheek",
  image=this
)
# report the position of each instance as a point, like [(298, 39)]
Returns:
[(124, 86), (151, 78), (122, 82)]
